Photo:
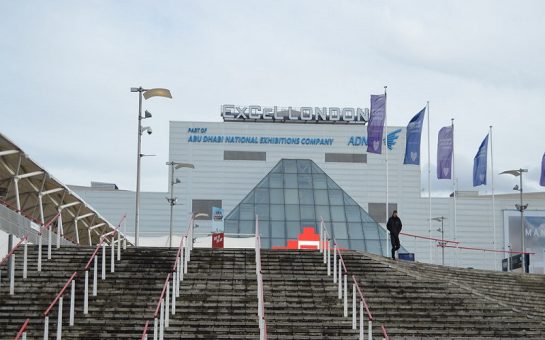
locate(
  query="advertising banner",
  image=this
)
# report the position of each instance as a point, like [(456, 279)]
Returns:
[(217, 220), (217, 240), (534, 232)]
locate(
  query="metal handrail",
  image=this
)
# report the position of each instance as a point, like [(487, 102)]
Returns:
[(145, 332), (429, 238), (488, 250), (48, 223), (338, 250), (59, 294), (158, 308), (5, 258), (362, 298), (22, 330), (102, 238), (384, 332)]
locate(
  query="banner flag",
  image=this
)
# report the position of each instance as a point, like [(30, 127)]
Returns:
[(445, 146), (542, 178), (375, 128), (479, 164), (414, 132)]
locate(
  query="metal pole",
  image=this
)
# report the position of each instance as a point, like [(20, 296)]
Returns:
[(354, 315), (429, 184), (361, 320), (49, 242), (339, 279), (112, 257), (387, 169), (174, 285), (442, 242), (522, 236), (25, 254), (171, 201), (59, 320), (328, 258), (162, 320), (86, 294), (167, 304), (46, 328), (39, 252), (103, 261), (454, 184), (95, 276), (335, 263), (493, 200), (118, 246), (10, 245), (72, 300), (370, 335), (138, 158), (155, 329), (12, 275), (345, 295)]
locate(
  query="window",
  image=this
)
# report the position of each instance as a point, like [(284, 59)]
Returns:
[(346, 157), (244, 156)]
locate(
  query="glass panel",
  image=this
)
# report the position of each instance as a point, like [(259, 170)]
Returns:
[(265, 243), (365, 216), (262, 196), (231, 226), (348, 200), (352, 213), (277, 212), (307, 212), (322, 211), (337, 213), (249, 198), (262, 211), (291, 196), (316, 169), (234, 214), (247, 212), (355, 230), (373, 246), (264, 228), (293, 229), (303, 166), (331, 184), (370, 230), (277, 168), (321, 197), (247, 227), (306, 196), (290, 166), (319, 181), (339, 230), (290, 180), (292, 212), (304, 181), (278, 242), (335, 197), (276, 181), (264, 183), (277, 196), (357, 244), (278, 229)]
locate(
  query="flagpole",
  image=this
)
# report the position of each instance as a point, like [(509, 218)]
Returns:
[(454, 187), (429, 182), (493, 199), (386, 157)]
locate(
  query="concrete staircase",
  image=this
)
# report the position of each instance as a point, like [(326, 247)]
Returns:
[(218, 297)]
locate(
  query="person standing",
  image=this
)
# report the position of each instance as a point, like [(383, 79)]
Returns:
[(394, 226)]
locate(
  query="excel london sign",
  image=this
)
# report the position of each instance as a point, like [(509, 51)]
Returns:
[(304, 114)]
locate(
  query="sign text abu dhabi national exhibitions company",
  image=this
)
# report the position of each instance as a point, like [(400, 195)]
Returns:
[(304, 114)]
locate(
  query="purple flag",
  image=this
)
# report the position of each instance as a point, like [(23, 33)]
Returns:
[(375, 128), (445, 145), (479, 164), (542, 178)]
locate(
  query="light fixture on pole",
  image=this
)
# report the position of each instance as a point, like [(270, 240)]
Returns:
[(146, 93), (442, 230), (520, 207), (172, 200)]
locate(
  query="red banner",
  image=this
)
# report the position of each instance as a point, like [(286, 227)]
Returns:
[(217, 240)]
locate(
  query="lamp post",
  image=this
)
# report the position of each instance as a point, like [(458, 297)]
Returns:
[(146, 93), (520, 207), (172, 200), (442, 230)]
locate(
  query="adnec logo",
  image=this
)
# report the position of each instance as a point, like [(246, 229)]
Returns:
[(390, 140)]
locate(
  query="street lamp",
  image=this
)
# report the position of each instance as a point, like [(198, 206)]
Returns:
[(442, 230), (146, 93), (520, 207), (172, 200)]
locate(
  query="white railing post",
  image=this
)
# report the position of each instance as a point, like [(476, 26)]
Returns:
[(155, 329), (354, 315), (72, 301), (118, 246), (335, 263), (186, 257), (370, 335), (12, 275), (339, 279), (321, 246), (178, 276), (103, 261), (46, 328), (39, 252), (362, 331), (24, 336), (325, 248), (174, 284), (328, 250), (95, 276), (112, 257), (49, 243), (59, 320), (167, 305), (162, 320), (86, 294), (25, 255), (345, 296)]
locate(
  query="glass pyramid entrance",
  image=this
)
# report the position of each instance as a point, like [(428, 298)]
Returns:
[(294, 195)]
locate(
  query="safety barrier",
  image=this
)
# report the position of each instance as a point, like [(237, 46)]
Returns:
[(10, 258), (259, 274), (166, 303), (22, 331), (340, 277), (59, 298)]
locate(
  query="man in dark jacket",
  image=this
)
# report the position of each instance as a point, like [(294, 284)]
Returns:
[(394, 227)]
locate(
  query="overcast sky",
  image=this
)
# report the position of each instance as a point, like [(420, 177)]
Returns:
[(67, 69)]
